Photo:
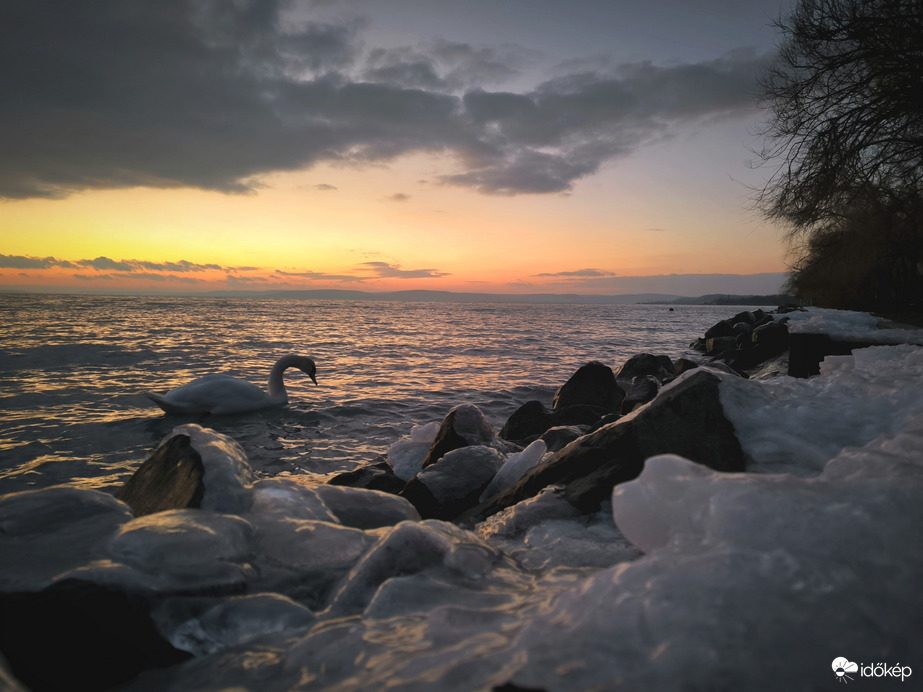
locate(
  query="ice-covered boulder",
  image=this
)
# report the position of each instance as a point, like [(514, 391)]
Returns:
[(405, 457), (686, 418), (515, 467), (234, 621), (454, 483), (366, 509), (464, 425)]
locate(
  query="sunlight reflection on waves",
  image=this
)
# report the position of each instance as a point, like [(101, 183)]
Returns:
[(72, 369)]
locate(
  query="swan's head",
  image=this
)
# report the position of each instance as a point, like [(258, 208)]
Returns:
[(306, 365)]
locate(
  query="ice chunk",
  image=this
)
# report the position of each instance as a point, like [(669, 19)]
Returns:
[(239, 620), (406, 458), (186, 548), (424, 434), (515, 467), (366, 509), (44, 533)]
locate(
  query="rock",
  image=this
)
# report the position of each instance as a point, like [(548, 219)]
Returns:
[(686, 418), (720, 329), (453, 484), (592, 385), (530, 419), (681, 365), (789, 307), (643, 364), (560, 436), (377, 476), (464, 425), (366, 509), (770, 339), (171, 478), (78, 635), (580, 415), (717, 345), (643, 389)]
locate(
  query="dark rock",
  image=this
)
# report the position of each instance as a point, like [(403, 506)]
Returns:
[(789, 307), (454, 483), (464, 425), (529, 420), (78, 635), (720, 329), (643, 364), (700, 344), (716, 345), (378, 476), (643, 389), (686, 419), (560, 436), (681, 365), (592, 385), (770, 339), (171, 478), (806, 351), (580, 415), (725, 367)]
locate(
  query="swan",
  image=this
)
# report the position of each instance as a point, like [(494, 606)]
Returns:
[(221, 394)]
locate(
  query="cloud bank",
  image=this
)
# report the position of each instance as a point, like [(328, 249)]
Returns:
[(212, 95)]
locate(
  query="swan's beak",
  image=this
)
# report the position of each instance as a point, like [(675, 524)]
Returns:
[(313, 379)]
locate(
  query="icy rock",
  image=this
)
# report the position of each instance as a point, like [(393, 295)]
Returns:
[(285, 497), (410, 548), (305, 559), (515, 467), (48, 532), (366, 509), (687, 418), (464, 425), (227, 471), (454, 483), (239, 620), (171, 478), (187, 549), (406, 458), (594, 385)]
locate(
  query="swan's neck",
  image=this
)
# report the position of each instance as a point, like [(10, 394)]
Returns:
[(276, 385)]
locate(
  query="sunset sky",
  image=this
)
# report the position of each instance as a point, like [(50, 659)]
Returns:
[(524, 146)]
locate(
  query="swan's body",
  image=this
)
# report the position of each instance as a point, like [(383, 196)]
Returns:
[(221, 394)]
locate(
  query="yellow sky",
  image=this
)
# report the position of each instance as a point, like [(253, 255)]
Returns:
[(636, 219)]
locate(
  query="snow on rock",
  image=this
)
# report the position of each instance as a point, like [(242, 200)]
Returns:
[(847, 325)]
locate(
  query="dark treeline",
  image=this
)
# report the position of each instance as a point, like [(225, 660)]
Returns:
[(846, 136)]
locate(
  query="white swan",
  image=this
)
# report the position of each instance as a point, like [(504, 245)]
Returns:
[(221, 394)]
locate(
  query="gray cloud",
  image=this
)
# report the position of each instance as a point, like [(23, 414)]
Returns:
[(21, 262), (383, 270), (581, 273), (398, 197), (211, 94), (135, 268), (319, 276), (324, 187)]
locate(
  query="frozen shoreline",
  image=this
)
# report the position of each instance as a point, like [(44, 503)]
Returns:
[(755, 580)]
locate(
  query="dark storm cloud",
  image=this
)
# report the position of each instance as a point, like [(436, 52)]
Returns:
[(213, 94)]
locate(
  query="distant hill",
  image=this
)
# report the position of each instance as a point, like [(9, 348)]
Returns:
[(452, 297), (721, 299)]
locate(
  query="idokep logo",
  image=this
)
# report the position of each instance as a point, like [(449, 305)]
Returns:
[(842, 667)]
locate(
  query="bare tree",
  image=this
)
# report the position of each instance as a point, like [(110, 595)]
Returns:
[(846, 109)]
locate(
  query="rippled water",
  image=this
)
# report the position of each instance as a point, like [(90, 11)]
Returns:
[(72, 369)]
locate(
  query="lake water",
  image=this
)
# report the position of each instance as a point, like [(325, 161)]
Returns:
[(72, 369)]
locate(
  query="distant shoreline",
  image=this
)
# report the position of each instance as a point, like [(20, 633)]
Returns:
[(423, 296)]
